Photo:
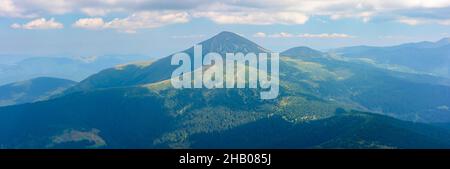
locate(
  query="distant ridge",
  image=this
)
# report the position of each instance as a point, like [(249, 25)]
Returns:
[(428, 57), (302, 51), (32, 90), (73, 68)]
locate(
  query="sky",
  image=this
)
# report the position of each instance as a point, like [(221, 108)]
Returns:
[(159, 28)]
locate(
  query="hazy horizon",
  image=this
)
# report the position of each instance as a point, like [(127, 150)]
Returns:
[(6, 57), (159, 28)]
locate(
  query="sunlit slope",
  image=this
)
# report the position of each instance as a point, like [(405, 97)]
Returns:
[(162, 69), (408, 96)]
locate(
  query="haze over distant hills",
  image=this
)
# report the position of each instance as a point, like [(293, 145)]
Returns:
[(72, 68), (322, 103), (429, 57)]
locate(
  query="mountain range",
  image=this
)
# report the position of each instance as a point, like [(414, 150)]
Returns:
[(325, 101), (72, 68), (427, 57)]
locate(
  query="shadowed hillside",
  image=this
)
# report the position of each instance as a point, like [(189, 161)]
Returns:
[(32, 90)]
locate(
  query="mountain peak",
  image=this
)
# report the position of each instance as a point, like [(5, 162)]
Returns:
[(227, 33), (226, 42), (226, 36)]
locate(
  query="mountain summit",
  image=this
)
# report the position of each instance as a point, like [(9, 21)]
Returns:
[(161, 69), (230, 42)]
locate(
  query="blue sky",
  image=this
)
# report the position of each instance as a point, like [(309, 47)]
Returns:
[(160, 27)]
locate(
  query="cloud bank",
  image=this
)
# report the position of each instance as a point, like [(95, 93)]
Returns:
[(141, 20), (40, 23), (306, 35), (145, 14)]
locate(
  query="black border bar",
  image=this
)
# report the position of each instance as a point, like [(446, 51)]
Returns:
[(279, 158)]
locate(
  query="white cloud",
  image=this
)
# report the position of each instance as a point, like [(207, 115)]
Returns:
[(260, 35), (326, 35), (395, 37), (187, 36), (281, 35), (254, 18), (306, 35), (96, 11), (40, 23), (134, 22), (417, 21), (364, 16), (90, 23), (409, 21), (50, 7), (259, 12), (9, 9), (147, 20)]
